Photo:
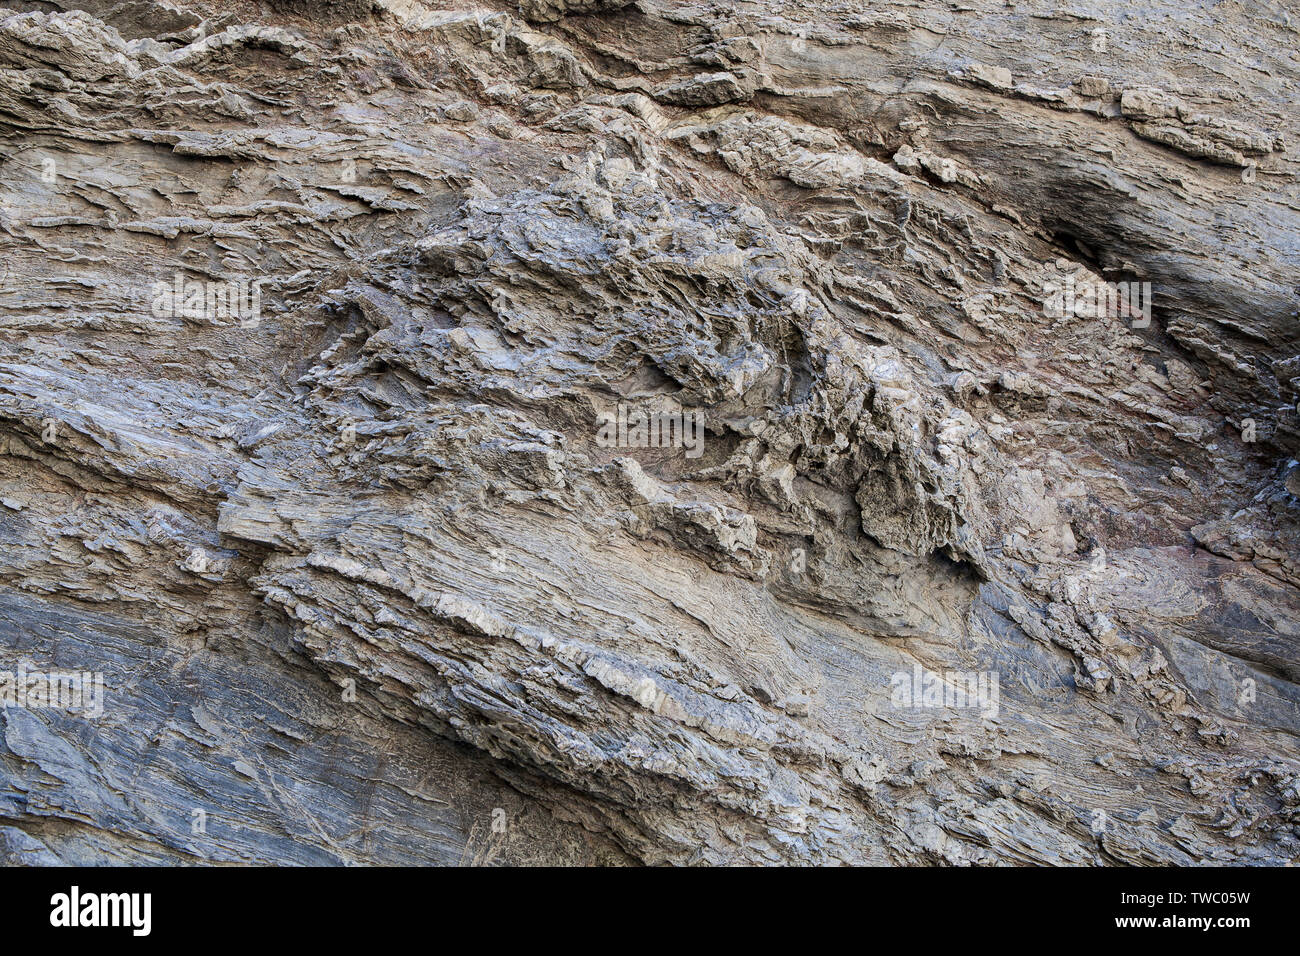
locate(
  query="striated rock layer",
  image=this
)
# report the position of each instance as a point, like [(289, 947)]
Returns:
[(368, 573)]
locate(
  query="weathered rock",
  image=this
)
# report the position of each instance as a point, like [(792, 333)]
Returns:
[(326, 334)]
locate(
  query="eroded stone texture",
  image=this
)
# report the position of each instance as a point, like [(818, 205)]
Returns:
[(364, 584)]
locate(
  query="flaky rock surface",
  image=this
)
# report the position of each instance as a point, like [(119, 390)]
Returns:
[(365, 587)]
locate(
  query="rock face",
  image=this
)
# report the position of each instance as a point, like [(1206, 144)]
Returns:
[(329, 334)]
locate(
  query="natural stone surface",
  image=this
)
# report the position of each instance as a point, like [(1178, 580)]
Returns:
[(366, 585)]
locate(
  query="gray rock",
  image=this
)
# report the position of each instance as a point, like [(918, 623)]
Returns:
[(648, 436)]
